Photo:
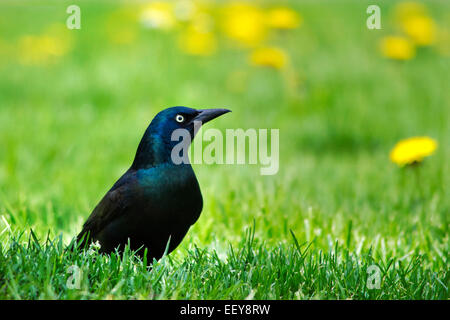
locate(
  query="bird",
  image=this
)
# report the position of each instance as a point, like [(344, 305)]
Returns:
[(155, 202)]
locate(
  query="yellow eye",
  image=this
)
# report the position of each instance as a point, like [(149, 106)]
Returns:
[(179, 118)]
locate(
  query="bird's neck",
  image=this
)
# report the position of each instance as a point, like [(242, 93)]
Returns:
[(151, 152), (154, 149)]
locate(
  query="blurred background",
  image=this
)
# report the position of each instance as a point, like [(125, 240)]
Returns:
[(75, 103)]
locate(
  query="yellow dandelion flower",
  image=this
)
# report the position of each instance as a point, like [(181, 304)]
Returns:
[(55, 42), (245, 23), (269, 57), (158, 15), (36, 50), (421, 30), (399, 48), (412, 150), (283, 18), (63, 35), (196, 42)]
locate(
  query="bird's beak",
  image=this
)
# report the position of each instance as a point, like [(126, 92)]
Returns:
[(206, 115)]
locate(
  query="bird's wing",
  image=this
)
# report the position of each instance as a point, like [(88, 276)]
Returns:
[(113, 205)]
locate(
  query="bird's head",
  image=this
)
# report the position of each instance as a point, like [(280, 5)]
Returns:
[(157, 144), (168, 120)]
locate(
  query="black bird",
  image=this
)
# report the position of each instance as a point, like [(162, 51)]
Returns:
[(156, 199)]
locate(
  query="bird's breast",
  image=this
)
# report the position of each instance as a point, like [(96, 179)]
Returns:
[(173, 191)]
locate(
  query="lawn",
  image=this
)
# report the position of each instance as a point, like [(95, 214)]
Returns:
[(75, 103)]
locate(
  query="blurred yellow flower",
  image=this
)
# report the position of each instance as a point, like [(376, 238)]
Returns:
[(245, 23), (283, 18), (196, 42), (412, 150), (399, 48), (158, 15), (63, 34), (37, 50), (421, 29), (269, 57)]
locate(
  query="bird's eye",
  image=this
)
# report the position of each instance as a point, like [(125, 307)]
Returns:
[(179, 118)]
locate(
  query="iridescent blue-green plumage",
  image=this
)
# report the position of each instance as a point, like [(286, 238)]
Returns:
[(156, 199)]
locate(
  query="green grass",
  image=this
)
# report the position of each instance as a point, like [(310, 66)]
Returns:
[(249, 270), (69, 129)]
